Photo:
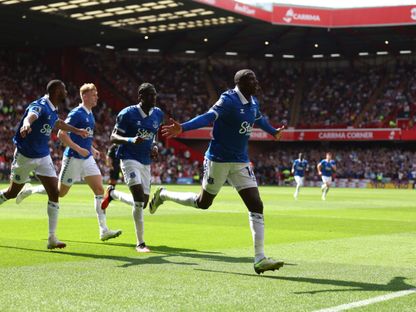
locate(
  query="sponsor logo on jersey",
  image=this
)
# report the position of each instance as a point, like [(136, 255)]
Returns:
[(246, 128), (145, 134), (90, 132), (46, 129)]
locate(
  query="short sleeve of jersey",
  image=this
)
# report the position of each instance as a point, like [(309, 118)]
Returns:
[(72, 118), (121, 122), (36, 109), (258, 113), (222, 107), (333, 163)]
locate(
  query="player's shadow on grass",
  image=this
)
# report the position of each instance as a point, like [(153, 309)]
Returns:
[(181, 252), (397, 283), (165, 252)]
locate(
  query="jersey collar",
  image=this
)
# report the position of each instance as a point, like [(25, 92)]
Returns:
[(53, 107), (85, 108), (141, 112), (242, 97)]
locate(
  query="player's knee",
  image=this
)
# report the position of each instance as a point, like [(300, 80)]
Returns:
[(99, 190)]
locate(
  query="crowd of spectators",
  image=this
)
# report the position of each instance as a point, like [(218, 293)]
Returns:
[(335, 98), (397, 99), (390, 163), (331, 98)]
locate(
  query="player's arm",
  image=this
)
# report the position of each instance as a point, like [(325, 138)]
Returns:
[(175, 128), (25, 129), (319, 168), (66, 139), (293, 168), (62, 125), (263, 124), (117, 137), (95, 153)]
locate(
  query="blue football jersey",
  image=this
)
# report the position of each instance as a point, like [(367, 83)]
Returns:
[(132, 122), (80, 117), (326, 167), (299, 167), (232, 127), (35, 144)]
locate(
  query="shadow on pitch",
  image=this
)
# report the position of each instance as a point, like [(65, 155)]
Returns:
[(165, 257), (397, 283)]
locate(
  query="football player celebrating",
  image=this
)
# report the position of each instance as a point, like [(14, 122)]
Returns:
[(32, 152), (78, 161), (233, 116), (135, 131)]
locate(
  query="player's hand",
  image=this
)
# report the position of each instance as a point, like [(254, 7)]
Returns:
[(137, 140), (96, 153), (278, 134), (83, 133), (25, 130), (83, 152), (319, 173), (172, 130), (109, 162), (154, 153)]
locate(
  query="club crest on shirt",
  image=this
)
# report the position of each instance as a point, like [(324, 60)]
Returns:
[(37, 109), (155, 124), (210, 180), (241, 110), (132, 175)]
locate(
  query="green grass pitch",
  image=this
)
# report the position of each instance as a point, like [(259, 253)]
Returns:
[(359, 244)]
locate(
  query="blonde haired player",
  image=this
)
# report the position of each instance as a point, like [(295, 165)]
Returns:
[(78, 161)]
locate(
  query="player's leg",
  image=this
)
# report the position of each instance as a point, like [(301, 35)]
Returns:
[(135, 175), (29, 190), (92, 175), (51, 187), (215, 175), (114, 172), (11, 192), (298, 180), (47, 176), (325, 186), (243, 179), (20, 170)]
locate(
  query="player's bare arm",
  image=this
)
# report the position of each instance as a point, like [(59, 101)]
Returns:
[(172, 130), (278, 134), (27, 123), (319, 169), (66, 139), (62, 125), (117, 138), (95, 153)]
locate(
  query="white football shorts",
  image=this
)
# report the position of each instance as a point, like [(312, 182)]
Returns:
[(136, 173), (239, 175), (299, 180), (327, 180), (22, 166), (74, 169)]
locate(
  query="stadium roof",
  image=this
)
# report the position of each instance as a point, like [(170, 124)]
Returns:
[(177, 26)]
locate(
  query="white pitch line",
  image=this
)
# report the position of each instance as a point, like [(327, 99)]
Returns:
[(362, 303)]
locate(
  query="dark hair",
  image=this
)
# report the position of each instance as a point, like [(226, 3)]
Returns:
[(144, 87), (52, 85), (241, 73)]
